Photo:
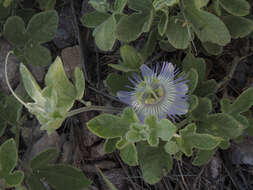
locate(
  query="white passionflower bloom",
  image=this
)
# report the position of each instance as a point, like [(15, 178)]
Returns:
[(157, 94)]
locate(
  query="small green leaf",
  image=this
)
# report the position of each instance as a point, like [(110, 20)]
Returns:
[(154, 162), (206, 88), (194, 102), (35, 183), (37, 55), (104, 34), (42, 26), (140, 5), (160, 4), (192, 76), (43, 159), (131, 27), (99, 5), (243, 102), (208, 27), (8, 161), (138, 132), (178, 34), (171, 147), (79, 83), (190, 139), (111, 126), (236, 7), (163, 23), (31, 86), (131, 58), (212, 49), (57, 79), (47, 4), (129, 155), (14, 30), (232, 23), (116, 82), (150, 45), (110, 145), (119, 5), (203, 157), (55, 175), (221, 125), (94, 19), (197, 63), (204, 107)]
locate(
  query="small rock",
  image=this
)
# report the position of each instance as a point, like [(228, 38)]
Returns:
[(44, 143), (13, 66), (117, 177), (71, 58), (65, 34), (106, 164), (242, 153), (97, 151), (89, 138), (38, 72)]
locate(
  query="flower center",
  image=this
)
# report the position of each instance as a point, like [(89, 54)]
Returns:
[(151, 92)]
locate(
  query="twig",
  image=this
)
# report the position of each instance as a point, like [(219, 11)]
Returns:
[(80, 41)]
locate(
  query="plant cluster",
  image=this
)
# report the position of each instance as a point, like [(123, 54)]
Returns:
[(170, 114)]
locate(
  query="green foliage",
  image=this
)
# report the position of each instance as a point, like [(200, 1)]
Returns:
[(131, 60), (203, 157), (60, 176), (52, 104), (154, 162), (236, 7), (8, 161), (26, 40)]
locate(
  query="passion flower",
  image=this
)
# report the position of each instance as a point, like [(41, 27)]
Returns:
[(163, 94)]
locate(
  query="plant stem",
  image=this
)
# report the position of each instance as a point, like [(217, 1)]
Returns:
[(93, 108)]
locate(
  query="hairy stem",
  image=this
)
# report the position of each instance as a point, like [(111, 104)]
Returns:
[(93, 108)]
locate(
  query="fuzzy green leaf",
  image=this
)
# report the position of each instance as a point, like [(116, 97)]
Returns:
[(192, 76), (94, 19), (110, 145), (236, 7), (204, 107), (35, 183), (14, 30), (140, 5), (111, 126), (43, 159), (116, 82), (163, 23), (31, 86), (160, 4), (221, 125), (154, 162), (55, 175), (99, 5), (129, 155), (104, 34), (47, 4), (206, 88), (8, 161), (208, 27), (212, 49), (197, 63), (203, 157), (190, 139), (119, 5), (177, 34), (194, 102), (57, 79), (42, 26), (232, 23), (37, 55), (150, 45), (171, 147), (131, 27)]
